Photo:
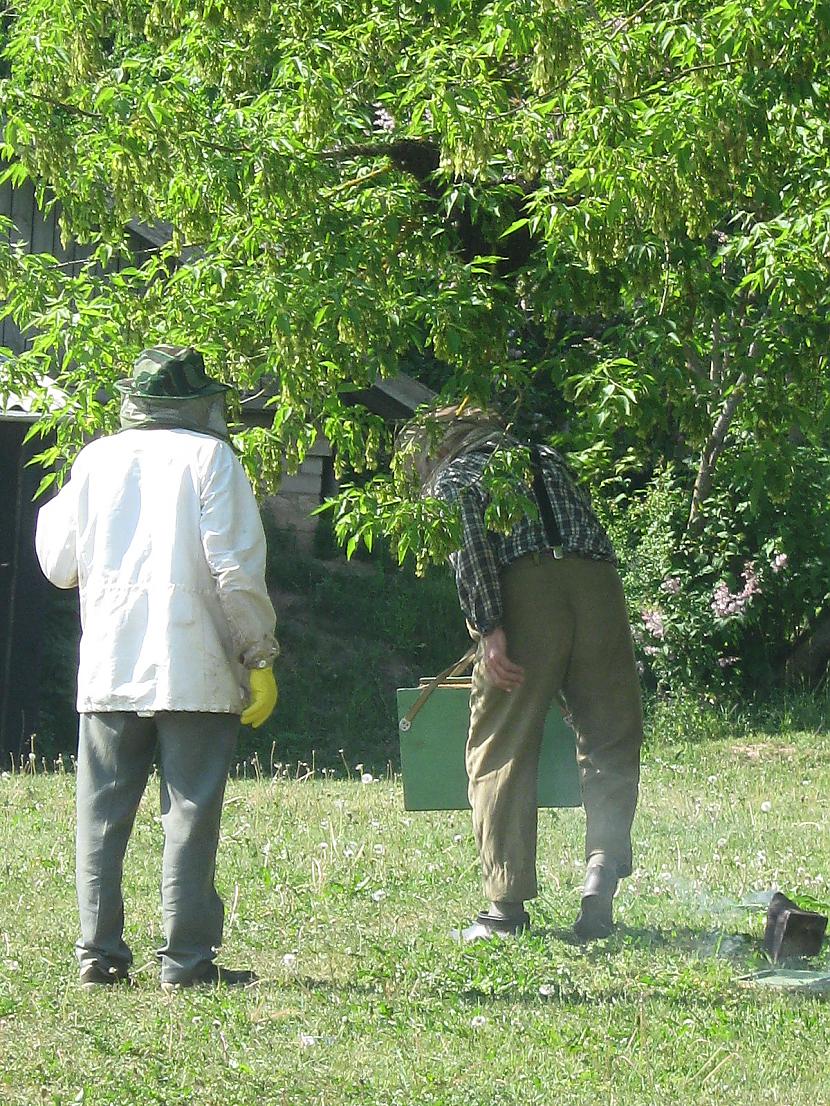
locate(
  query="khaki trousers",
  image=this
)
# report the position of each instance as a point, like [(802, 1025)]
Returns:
[(566, 624)]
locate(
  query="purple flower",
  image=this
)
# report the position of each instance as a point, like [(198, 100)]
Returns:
[(671, 586), (779, 561), (653, 622), (752, 585), (383, 121), (726, 603)]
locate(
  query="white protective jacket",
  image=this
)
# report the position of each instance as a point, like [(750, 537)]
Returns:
[(160, 530)]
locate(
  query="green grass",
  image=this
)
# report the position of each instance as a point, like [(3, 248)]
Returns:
[(379, 1006)]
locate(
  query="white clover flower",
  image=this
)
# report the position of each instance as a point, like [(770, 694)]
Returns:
[(766, 806), (290, 960), (457, 839), (378, 896), (367, 777), (478, 1022), (378, 850)]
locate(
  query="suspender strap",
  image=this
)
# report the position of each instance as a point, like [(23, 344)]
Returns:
[(551, 526)]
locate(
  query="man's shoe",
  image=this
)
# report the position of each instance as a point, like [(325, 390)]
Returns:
[(485, 927), (595, 917), (94, 975), (213, 976)]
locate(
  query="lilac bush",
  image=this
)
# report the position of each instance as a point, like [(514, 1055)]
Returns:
[(723, 607)]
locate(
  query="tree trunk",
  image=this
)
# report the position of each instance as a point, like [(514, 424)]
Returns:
[(710, 453), (807, 663)]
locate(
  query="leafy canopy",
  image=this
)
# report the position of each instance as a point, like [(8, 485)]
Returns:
[(340, 180)]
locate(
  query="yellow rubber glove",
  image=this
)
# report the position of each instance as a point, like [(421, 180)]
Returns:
[(264, 695)]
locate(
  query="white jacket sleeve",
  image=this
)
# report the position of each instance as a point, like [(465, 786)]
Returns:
[(234, 545), (56, 537)]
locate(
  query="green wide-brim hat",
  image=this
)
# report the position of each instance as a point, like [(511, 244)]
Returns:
[(170, 372)]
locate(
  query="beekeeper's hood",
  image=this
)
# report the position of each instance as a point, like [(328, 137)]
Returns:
[(169, 387), (432, 440)]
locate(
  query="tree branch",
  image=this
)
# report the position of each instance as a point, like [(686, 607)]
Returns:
[(60, 104), (710, 453)]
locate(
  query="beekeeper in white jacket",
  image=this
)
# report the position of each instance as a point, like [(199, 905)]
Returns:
[(159, 529)]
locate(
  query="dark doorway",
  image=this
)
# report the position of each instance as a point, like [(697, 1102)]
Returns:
[(22, 592)]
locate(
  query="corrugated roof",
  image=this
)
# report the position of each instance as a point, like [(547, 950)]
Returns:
[(21, 406)]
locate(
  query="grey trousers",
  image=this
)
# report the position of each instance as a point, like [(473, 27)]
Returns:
[(115, 757), (566, 624)]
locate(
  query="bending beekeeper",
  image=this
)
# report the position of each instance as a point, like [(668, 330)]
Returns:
[(159, 529), (546, 604)]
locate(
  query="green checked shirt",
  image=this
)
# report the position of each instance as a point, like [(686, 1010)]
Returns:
[(485, 553)]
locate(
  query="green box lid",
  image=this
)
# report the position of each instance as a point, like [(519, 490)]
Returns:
[(432, 753)]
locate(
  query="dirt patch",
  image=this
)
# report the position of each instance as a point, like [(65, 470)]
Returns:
[(765, 751)]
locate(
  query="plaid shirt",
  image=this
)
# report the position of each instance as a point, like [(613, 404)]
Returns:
[(485, 553)]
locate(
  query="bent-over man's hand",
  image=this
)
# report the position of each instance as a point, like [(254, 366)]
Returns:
[(264, 695), (500, 670)]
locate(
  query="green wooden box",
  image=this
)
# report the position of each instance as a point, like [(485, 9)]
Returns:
[(432, 752)]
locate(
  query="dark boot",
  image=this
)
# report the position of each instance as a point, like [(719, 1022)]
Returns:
[(595, 917), (94, 976), (485, 926), (213, 976)]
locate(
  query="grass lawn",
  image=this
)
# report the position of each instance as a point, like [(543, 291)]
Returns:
[(343, 903)]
